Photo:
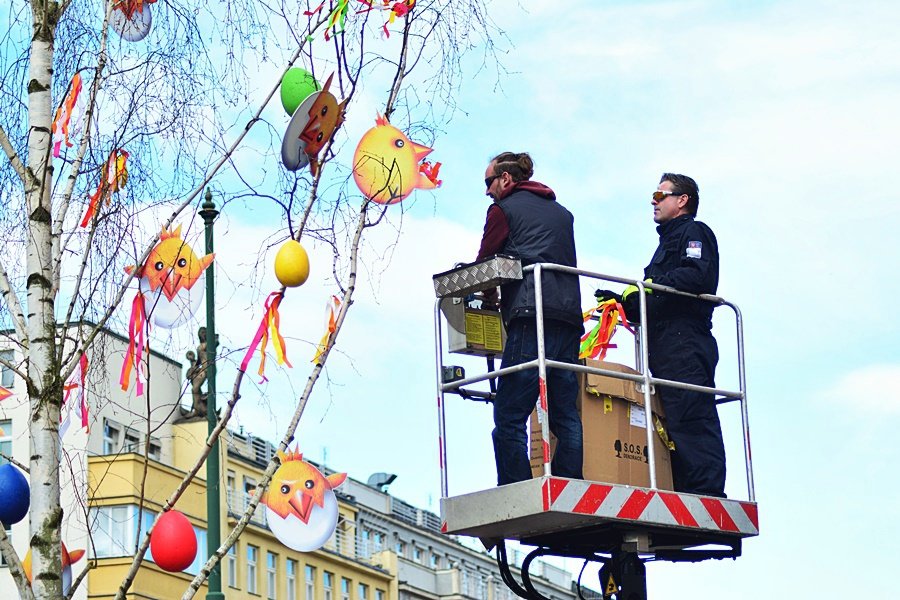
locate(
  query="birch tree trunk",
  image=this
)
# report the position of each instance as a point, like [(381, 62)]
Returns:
[(44, 390)]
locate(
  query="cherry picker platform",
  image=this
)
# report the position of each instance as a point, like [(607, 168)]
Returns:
[(619, 526)]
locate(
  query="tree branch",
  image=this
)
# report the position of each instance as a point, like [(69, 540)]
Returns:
[(23, 173)]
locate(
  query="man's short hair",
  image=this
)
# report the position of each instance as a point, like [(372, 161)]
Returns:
[(682, 184)]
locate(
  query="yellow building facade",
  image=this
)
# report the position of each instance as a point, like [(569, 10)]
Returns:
[(257, 566)]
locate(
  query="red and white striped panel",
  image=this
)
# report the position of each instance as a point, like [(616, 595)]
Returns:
[(649, 506)]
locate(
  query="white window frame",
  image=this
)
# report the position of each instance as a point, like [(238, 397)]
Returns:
[(7, 375), (232, 566), (6, 439), (346, 586), (111, 443), (271, 575), (252, 562), (310, 576), (362, 592), (290, 576), (328, 585)]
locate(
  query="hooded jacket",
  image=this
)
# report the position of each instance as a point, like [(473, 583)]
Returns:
[(537, 230)]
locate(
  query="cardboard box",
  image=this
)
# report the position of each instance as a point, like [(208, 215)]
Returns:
[(615, 437)]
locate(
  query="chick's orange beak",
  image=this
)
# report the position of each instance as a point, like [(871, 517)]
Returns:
[(171, 285), (421, 151), (301, 506)]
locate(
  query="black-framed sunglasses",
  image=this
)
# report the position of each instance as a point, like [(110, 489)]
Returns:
[(489, 180)]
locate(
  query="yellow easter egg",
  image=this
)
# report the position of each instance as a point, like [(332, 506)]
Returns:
[(292, 264)]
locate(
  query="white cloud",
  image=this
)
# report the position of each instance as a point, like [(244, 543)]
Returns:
[(873, 388)]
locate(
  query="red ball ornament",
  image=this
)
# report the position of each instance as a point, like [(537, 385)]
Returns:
[(173, 543)]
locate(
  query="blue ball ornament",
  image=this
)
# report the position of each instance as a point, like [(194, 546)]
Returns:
[(15, 495)]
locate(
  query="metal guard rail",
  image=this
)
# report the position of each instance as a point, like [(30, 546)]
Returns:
[(644, 378)]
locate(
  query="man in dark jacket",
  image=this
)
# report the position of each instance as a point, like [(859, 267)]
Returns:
[(526, 221), (679, 332)]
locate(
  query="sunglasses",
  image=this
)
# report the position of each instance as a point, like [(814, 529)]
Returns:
[(660, 195), (489, 180)]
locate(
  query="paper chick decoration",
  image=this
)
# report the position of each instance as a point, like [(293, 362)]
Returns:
[(68, 559), (168, 294), (168, 278), (301, 508), (312, 126), (386, 164), (131, 19)]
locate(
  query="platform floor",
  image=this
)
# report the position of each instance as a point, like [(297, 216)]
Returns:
[(585, 516)]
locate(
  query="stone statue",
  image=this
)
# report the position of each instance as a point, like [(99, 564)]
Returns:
[(196, 374)]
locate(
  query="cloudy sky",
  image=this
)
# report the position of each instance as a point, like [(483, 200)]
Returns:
[(786, 115)]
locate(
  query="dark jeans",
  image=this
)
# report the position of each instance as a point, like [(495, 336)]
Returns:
[(517, 395), (686, 351)]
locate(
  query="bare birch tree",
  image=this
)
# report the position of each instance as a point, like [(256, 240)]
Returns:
[(178, 102)]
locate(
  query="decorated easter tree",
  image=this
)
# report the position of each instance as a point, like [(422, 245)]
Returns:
[(113, 110)]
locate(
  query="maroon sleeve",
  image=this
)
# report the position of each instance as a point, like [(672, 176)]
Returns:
[(496, 230)]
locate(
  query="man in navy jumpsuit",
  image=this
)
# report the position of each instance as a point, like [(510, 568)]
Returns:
[(680, 341)]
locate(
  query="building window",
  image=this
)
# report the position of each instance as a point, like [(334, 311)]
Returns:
[(345, 588), (111, 433), (5, 439), (310, 583), (271, 575), (290, 569), (364, 542), (417, 554), (362, 592), (401, 548), (232, 566), (379, 594), (155, 450), (7, 375), (252, 559), (132, 441), (328, 584), (379, 542), (435, 561)]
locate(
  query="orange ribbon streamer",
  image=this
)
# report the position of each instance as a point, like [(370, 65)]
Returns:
[(269, 325), (331, 310), (60, 125), (595, 343), (137, 343), (116, 175)]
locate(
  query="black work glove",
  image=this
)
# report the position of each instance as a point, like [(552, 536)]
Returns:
[(602, 295)]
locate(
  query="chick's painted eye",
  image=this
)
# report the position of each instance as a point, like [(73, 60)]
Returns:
[(398, 143), (309, 484), (182, 262), (159, 266), (285, 489)]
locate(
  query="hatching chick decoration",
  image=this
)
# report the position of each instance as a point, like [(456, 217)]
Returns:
[(301, 507), (386, 164), (167, 280)]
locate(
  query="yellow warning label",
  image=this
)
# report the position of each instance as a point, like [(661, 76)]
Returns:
[(493, 339), (607, 404), (474, 329), (611, 587)]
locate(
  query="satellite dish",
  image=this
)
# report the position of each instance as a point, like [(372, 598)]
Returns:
[(381, 480)]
